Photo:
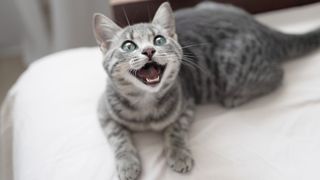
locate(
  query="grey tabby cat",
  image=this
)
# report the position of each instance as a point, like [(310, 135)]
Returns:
[(155, 80)]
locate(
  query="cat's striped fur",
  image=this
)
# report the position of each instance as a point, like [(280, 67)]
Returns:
[(223, 55)]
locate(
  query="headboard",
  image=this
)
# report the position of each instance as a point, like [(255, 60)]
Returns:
[(143, 11)]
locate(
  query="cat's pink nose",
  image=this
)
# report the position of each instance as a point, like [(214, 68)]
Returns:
[(148, 52)]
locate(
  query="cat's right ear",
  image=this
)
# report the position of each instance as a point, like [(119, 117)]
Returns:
[(104, 30), (165, 18)]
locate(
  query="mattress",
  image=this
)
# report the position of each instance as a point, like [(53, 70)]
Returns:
[(49, 127)]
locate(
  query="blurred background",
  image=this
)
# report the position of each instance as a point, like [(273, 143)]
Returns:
[(31, 29)]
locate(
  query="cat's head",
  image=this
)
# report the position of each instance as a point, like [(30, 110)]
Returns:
[(146, 55)]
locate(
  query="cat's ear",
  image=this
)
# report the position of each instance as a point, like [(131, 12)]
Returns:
[(165, 18), (104, 30)]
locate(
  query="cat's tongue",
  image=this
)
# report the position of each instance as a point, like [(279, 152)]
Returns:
[(150, 73)]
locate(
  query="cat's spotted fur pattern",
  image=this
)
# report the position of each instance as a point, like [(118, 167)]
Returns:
[(223, 55)]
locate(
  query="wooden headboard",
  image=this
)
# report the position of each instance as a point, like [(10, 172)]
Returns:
[(143, 11)]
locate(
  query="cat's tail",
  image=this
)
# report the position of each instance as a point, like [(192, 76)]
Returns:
[(288, 46)]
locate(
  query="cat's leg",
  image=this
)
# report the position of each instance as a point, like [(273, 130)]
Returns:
[(177, 152), (254, 84), (127, 160)]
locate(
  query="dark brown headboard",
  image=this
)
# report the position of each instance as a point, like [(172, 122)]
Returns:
[(144, 10)]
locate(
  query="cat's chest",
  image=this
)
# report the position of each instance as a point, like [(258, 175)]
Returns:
[(144, 100), (146, 105), (147, 112), (136, 109)]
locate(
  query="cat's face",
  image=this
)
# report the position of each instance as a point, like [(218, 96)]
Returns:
[(146, 55)]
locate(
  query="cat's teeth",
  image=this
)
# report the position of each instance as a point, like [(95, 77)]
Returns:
[(153, 80)]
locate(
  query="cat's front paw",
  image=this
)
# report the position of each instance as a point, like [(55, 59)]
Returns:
[(180, 160), (129, 168)]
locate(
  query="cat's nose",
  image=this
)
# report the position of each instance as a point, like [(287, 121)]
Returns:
[(149, 52)]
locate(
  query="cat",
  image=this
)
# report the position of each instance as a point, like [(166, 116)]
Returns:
[(158, 72)]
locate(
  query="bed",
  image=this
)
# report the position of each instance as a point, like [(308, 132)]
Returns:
[(49, 128)]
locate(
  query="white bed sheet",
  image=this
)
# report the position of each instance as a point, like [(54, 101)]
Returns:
[(52, 113)]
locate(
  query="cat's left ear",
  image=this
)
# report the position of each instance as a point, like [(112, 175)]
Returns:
[(164, 17)]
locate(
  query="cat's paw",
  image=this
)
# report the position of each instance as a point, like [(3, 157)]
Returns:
[(129, 168), (180, 160)]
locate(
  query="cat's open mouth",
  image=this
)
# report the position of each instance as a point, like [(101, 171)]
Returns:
[(150, 74)]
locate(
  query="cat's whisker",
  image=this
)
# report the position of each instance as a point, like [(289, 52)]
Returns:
[(195, 45), (136, 61), (206, 72), (188, 61), (148, 11), (165, 54), (184, 55), (187, 42), (189, 65), (189, 56), (126, 16)]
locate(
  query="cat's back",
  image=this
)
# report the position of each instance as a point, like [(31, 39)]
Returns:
[(209, 16), (210, 35), (210, 11)]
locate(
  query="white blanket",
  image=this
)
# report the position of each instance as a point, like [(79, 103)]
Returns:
[(51, 112)]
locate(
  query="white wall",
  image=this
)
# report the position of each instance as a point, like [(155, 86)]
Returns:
[(10, 28)]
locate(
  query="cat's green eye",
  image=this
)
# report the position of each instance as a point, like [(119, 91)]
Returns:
[(129, 46), (159, 40)]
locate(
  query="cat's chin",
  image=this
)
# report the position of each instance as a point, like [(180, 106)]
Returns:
[(151, 88)]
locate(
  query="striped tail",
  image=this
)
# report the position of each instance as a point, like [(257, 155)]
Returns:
[(287, 46)]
